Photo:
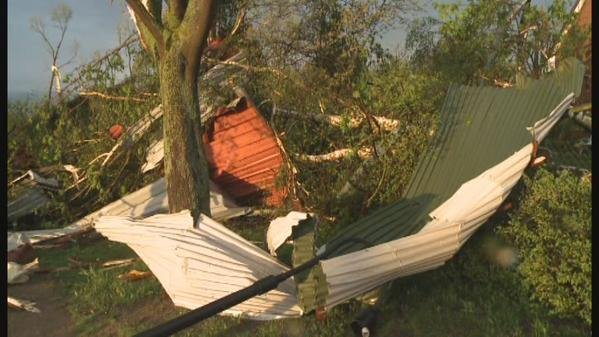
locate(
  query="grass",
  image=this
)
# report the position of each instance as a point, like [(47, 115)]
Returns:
[(469, 296), (95, 295)]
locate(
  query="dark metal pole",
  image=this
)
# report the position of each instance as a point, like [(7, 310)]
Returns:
[(260, 287)]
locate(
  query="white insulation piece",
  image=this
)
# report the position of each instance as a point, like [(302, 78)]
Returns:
[(280, 229)]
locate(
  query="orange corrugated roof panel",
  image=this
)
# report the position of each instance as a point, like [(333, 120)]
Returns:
[(243, 156)]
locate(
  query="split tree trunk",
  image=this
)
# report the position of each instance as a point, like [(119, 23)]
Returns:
[(185, 164)]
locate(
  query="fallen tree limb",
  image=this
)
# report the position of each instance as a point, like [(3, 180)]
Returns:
[(110, 97), (19, 304), (363, 153), (387, 124), (135, 132), (81, 70), (118, 263)]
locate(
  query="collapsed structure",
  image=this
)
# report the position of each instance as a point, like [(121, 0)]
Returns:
[(488, 137)]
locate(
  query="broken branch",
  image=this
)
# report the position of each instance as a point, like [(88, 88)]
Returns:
[(18, 304), (148, 21), (385, 123), (363, 153), (117, 98)]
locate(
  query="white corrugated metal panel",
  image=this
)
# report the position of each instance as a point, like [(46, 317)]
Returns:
[(30, 190), (144, 202), (154, 156), (199, 265), (453, 223)]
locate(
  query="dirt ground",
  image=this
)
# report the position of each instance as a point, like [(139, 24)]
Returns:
[(54, 319)]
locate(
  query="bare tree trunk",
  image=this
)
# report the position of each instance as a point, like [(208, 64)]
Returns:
[(185, 167)]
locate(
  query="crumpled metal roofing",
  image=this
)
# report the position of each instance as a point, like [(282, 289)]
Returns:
[(481, 127), (30, 190), (242, 153), (146, 201), (244, 156), (199, 265), (481, 153)]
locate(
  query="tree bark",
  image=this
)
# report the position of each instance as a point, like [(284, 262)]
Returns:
[(185, 164)]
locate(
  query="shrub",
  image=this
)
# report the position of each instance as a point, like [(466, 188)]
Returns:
[(552, 230)]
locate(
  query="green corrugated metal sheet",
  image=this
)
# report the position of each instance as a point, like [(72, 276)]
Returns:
[(481, 126), (310, 281)]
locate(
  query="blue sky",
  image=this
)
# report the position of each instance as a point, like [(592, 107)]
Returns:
[(94, 26)]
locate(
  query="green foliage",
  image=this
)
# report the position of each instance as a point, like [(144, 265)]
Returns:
[(325, 59), (95, 295), (470, 296), (552, 230), (45, 136), (498, 38)]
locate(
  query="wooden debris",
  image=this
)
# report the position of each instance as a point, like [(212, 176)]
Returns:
[(118, 263), (17, 273), (539, 161), (76, 263), (363, 153), (387, 124), (19, 304), (135, 275)]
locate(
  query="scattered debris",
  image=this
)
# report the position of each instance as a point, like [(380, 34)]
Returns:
[(19, 304), (144, 202), (538, 161), (116, 131), (242, 153), (15, 240), (17, 273), (29, 194), (279, 229), (118, 263), (135, 275)]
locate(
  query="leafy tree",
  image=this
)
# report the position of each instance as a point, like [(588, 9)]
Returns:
[(491, 41), (552, 230)]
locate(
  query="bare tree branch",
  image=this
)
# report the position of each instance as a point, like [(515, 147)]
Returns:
[(38, 26), (81, 69), (117, 98), (196, 25), (385, 123), (363, 153), (148, 22)]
